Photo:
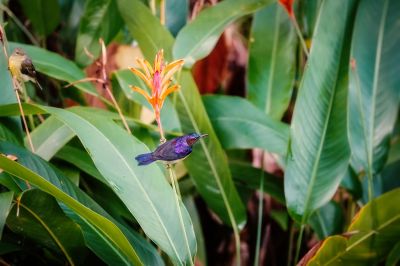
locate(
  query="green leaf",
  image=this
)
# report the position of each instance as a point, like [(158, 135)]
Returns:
[(352, 183), (49, 137), (311, 8), (319, 147), (56, 66), (100, 19), (374, 93), (394, 256), (6, 133), (207, 165), (38, 216), (146, 29), (272, 60), (373, 232), (81, 160), (245, 175), (120, 244), (95, 239), (43, 14), (5, 205), (197, 39), (240, 125), (327, 220), (176, 13), (144, 190)]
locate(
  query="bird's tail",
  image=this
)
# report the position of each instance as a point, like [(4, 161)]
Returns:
[(144, 159)]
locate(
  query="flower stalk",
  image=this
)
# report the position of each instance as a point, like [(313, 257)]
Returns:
[(158, 79)]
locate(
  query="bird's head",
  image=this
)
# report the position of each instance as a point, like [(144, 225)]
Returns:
[(193, 138), (18, 52)]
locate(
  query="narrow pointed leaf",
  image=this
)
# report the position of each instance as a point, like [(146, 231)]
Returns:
[(272, 60), (319, 152), (207, 165), (240, 125), (197, 39), (374, 84)]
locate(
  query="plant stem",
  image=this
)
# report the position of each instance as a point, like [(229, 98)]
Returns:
[(105, 84), (290, 248), (260, 213), (175, 187), (23, 115), (152, 4), (298, 246), (300, 35), (162, 12), (19, 24), (173, 180)]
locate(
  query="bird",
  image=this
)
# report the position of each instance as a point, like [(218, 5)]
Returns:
[(171, 151), (21, 67)]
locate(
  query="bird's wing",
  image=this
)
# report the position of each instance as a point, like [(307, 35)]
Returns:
[(28, 69), (168, 152)]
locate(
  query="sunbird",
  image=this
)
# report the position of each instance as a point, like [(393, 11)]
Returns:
[(21, 67), (171, 151)]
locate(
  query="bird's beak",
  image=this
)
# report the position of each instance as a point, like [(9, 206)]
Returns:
[(204, 135)]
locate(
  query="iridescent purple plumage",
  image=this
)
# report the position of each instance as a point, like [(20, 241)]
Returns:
[(171, 151)]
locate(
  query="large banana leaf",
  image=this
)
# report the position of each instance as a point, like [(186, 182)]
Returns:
[(97, 240), (197, 39), (372, 234), (144, 190), (240, 125), (113, 152), (272, 60), (99, 20), (207, 165), (40, 218), (121, 245), (374, 83), (319, 152)]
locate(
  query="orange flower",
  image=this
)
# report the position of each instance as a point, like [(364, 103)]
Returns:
[(158, 78)]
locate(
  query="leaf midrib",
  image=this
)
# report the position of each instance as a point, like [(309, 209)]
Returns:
[(273, 60), (50, 232), (195, 48), (375, 84)]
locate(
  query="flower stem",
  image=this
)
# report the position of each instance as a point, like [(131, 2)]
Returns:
[(300, 35), (260, 213), (162, 12), (298, 246), (177, 200)]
